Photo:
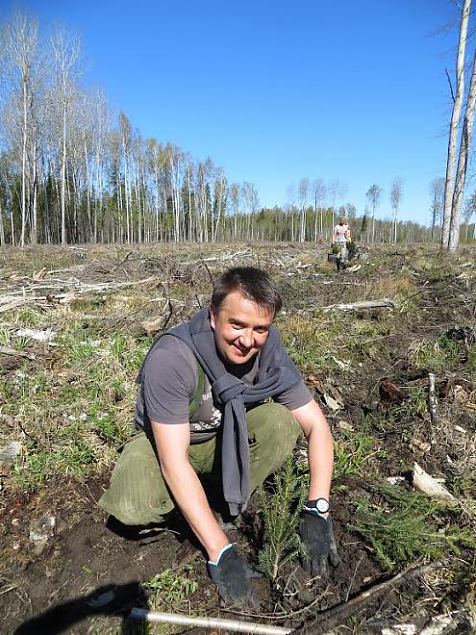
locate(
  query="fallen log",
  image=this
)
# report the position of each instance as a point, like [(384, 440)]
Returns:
[(364, 304), (77, 288), (5, 350)]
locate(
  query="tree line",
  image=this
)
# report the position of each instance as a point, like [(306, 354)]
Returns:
[(71, 172)]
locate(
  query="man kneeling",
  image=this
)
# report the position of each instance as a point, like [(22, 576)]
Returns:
[(204, 392)]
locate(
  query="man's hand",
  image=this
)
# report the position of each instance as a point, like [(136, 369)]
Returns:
[(232, 574), (318, 537)]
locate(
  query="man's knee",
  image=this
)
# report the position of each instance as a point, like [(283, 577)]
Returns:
[(272, 432), (137, 494)]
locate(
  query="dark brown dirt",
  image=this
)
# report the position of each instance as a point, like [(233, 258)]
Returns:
[(90, 572)]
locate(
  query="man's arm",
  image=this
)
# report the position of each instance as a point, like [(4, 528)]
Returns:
[(172, 443), (320, 448), (316, 529)]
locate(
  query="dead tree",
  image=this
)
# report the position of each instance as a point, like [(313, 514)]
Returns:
[(454, 126), (466, 137)]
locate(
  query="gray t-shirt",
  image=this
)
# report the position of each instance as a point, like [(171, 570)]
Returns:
[(169, 382)]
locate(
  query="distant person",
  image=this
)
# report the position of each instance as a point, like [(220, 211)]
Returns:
[(341, 238), (204, 407)]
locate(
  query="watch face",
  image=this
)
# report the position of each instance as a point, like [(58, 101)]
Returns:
[(322, 505)]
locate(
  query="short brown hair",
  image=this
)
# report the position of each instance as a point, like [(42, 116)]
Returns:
[(253, 283)]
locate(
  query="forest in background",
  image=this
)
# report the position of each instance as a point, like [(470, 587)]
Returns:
[(73, 172)]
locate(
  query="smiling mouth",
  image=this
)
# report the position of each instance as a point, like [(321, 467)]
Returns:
[(240, 351)]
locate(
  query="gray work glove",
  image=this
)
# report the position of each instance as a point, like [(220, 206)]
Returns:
[(319, 543), (232, 576)]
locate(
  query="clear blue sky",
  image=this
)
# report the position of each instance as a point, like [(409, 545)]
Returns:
[(274, 91)]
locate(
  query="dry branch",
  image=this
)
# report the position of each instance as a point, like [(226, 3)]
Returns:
[(432, 400), (327, 620), (430, 486), (77, 288), (364, 304), (5, 350)]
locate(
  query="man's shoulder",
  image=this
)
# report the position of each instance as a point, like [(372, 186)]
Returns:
[(170, 351)]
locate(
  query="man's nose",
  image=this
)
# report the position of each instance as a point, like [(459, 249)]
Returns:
[(247, 338)]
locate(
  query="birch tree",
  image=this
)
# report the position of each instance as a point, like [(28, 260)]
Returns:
[(235, 207), (336, 190), (319, 191), (251, 202), (19, 41), (437, 191), (454, 126), (101, 127), (66, 52), (395, 199), (303, 194), (465, 145), (374, 195)]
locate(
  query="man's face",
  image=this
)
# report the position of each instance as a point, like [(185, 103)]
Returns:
[(241, 327)]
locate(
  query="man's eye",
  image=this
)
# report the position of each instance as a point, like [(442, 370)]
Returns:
[(262, 330)]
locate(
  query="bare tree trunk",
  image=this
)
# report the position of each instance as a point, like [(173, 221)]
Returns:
[(12, 227), (23, 165), (63, 180), (34, 215), (465, 146), (88, 188), (2, 231), (454, 125)]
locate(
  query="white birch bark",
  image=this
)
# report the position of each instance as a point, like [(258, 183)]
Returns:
[(466, 139), (65, 50), (454, 126)]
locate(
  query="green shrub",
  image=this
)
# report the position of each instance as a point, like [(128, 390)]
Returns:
[(404, 526), (281, 510)]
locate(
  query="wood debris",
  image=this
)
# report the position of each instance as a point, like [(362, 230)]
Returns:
[(425, 483), (364, 304)]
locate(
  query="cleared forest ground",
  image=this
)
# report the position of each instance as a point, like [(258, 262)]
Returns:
[(75, 324)]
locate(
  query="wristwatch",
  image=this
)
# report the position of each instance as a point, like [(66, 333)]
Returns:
[(319, 505)]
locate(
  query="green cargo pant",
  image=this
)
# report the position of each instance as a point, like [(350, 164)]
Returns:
[(137, 494)]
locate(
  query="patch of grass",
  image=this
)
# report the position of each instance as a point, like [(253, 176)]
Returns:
[(28, 317), (76, 350), (38, 466), (389, 287), (437, 355), (405, 526), (310, 342), (170, 588), (4, 337), (20, 343), (472, 360), (281, 511), (354, 454), (414, 406)]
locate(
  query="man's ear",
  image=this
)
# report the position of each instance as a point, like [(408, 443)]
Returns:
[(213, 316)]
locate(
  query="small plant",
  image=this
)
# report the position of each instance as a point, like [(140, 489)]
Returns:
[(281, 510), (406, 526), (4, 337), (119, 346), (28, 317), (437, 355), (78, 351), (21, 343), (353, 454), (415, 405), (170, 587)]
